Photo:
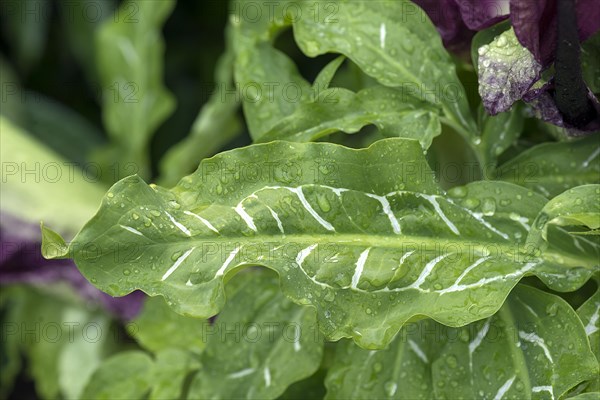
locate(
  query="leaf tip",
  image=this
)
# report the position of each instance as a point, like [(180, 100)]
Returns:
[(53, 245)]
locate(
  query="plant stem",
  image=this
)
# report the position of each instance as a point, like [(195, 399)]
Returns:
[(571, 93)]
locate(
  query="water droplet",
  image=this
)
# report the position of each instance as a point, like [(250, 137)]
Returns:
[(155, 213), (578, 201), (176, 255), (471, 203), (368, 311), (390, 388), (377, 367), (488, 207), (451, 361), (126, 272), (135, 216), (110, 195), (459, 191), (552, 309)]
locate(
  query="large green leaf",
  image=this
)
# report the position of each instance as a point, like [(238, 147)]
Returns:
[(498, 133), (216, 124), (135, 375), (534, 347), (267, 80), (392, 41), (37, 183), (338, 109), (129, 51), (127, 375), (365, 236), (552, 168), (589, 313), (575, 207), (253, 340), (158, 328)]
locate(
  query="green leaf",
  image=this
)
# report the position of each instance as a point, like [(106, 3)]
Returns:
[(365, 236), (53, 245), (325, 76), (552, 168), (534, 347), (127, 375), (392, 41), (252, 341), (158, 327), (484, 37), (216, 124), (589, 313), (498, 133), (129, 53), (37, 183), (338, 109), (267, 80), (575, 207), (402, 370), (135, 375), (270, 85), (62, 339), (172, 367), (61, 129)]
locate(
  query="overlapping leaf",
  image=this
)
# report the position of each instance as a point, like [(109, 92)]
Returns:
[(251, 343), (365, 236), (534, 347), (392, 41), (129, 53), (338, 109), (552, 168)]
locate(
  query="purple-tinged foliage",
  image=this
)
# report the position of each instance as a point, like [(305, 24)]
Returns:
[(22, 262)]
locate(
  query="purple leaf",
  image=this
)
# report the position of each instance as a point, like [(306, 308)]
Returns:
[(22, 262), (506, 72)]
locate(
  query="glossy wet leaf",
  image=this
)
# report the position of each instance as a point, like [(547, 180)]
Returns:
[(267, 80), (506, 70), (534, 347), (552, 168), (401, 371), (498, 133), (158, 327), (129, 54), (365, 236), (126, 375), (392, 41), (338, 109), (259, 344), (589, 313), (216, 125)]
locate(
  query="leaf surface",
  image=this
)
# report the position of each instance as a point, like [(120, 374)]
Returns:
[(392, 41), (253, 340), (552, 168), (534, 347), (129, 51)]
